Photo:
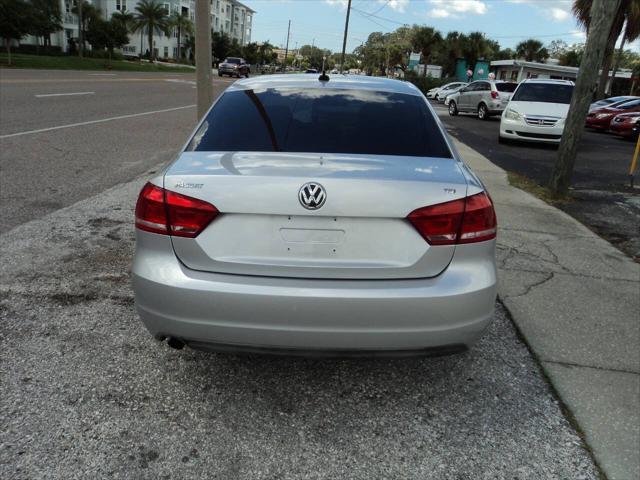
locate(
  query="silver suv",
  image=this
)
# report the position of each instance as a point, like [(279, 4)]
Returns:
[(482, 97)]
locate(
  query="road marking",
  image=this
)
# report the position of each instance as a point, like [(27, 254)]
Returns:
[(102, 74), (62, 94), (91, 122), (175, 80)]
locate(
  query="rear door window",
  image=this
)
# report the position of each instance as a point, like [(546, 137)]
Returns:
[(506, 87), (321, 121)]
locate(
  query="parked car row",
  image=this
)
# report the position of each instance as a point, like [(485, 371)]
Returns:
[(535, 110), (621, 117)]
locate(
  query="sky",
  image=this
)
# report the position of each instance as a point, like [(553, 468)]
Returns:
[(322, 21)]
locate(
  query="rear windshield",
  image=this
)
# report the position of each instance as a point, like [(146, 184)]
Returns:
[(506, 87), (543, 92), (231, 60), (321, 121)]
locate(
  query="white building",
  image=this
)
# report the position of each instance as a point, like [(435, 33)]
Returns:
[(228, 16), (518, 70)]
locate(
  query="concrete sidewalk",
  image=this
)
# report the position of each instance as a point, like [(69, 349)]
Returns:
[(576, 300)]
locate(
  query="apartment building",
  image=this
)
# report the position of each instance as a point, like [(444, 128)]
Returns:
[(228, 16)]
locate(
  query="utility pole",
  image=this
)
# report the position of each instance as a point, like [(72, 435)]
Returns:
[(286, 50), (80, 35), (203, 57), (602, 16), (344, 41)]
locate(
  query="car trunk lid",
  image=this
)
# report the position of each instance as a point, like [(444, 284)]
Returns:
[(360, 231)]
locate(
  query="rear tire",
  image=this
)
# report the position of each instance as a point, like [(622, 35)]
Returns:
[(483, 112), (453, 108)]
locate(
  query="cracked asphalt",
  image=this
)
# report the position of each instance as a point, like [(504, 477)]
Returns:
[(87, 393)]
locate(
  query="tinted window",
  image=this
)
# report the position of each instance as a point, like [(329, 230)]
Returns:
[(507, 87), (543, 92), (628, 105), (321, 121), (483, 86), (232, 60)]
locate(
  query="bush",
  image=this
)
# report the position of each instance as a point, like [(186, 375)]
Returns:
[(426, 83), (103, 54), (51, 51)]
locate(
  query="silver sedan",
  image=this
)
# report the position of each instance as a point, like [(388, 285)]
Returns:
[(317, 216)]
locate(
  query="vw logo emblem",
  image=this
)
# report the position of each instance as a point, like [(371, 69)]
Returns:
[(312, 195)]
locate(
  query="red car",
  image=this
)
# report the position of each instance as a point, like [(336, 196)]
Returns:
[(601, 119), (624, 124)]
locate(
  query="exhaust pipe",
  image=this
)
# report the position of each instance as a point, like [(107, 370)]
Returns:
[(175, 343)]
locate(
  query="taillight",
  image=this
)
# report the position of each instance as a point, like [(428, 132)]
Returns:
[(170, 213), (495, 94), (466, 220)]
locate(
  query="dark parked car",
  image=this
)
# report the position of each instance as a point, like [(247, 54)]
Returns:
[(234, 67)]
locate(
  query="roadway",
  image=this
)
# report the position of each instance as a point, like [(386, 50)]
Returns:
[(68, 135)]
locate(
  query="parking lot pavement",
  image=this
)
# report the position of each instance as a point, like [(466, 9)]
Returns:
[(601, 196), (121, 124), (87, 393)]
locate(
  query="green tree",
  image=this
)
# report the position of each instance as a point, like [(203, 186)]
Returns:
[(266, 54), (88, 12), (532, 50), (125, 18), (627, 17), (190, 46), (103, 34), (220, 46), (250, 53), (452, 48), (572, 56), (235, 50), (506, 54), (153, 18), (15, 22), (557, 48), (183, 24), (46, 18), (425, 40), (478, 47), (373, 53)]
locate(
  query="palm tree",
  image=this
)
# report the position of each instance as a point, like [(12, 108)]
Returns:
[(125, 18), (628, 14), (85, 12), (183, 23), (425, 40), (152, 17), (476, 46), (532, 50)]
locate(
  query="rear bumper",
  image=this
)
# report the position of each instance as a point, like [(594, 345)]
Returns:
[(367, 316)]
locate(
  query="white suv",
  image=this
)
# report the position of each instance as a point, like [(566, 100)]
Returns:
[(537, 111)]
